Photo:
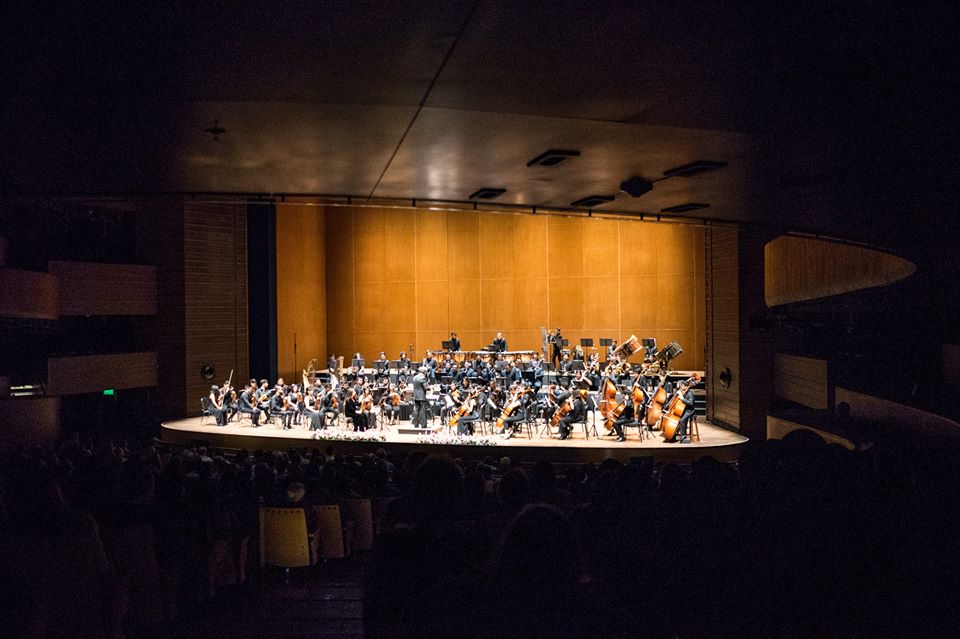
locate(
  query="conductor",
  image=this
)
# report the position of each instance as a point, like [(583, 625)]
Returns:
[(420, 398)]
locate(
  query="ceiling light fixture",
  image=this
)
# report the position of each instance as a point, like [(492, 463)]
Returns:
[(592, 200), (683, 208), (553, 157), (216, 130), (486, 193), (694, 168)]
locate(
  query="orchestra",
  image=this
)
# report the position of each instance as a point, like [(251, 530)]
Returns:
[(468, 392)]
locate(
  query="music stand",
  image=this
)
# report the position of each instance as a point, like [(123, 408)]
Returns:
[(586, 342), (577, 365), (564, 342), (445, 345), (356, 363), (606, 341)]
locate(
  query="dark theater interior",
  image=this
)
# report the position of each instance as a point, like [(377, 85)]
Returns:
[(478, 318)]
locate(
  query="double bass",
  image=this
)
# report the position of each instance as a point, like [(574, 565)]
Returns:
[(670, 416), (636, 395), (608, 403)]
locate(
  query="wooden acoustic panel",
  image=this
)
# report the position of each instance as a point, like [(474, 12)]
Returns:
[(94, 373), (482, 272), (29, 295), (88, 288), (798, 269), (804, 380)]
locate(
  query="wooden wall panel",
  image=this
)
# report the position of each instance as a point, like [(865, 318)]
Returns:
[(479, 273), (301, 287), (94, 373), (804, 380), (105, 289), (29, 295), (215, 296), (722, 324)]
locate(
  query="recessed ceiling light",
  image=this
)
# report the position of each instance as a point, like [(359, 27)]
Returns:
[(591, 201), (694, 168), (683, 208), (553, 157), (486, 193)]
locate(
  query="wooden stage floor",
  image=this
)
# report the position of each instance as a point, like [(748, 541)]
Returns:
[(718, 442)]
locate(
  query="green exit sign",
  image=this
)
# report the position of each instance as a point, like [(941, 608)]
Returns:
[(109, 391)]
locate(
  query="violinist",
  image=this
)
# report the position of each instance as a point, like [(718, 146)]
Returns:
[(686, 395), (294, 404), (229, 398), (248, 404), (513, 374), (328, 405), (263, 395), (216, 408)]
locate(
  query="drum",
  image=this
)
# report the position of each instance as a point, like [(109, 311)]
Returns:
[(628, 348), (459, 357)]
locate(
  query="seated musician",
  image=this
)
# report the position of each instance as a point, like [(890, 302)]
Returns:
[(448, 367), (332, 364), (500, 343), (431, 363), (263, 395), (294, 404), (519, 413), (328, 405), (404, 364), (686, 394), (626, 417), (513, 373), (366, 407), (390, 405), (381, 363), (577, 353), (565, 364), (465, 423), (352, 411), (216, 407), (578, 414), (311, 408), (281, 407), (248, 404), (230, 399), (464, 373), (357, 361)]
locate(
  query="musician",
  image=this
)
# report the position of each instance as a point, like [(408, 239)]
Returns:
[(519, 412), (381, 363), (431, 363), (390, 405), (366, 407), (513, 374), (556, 340), (536, 365), (500, 343), (420, 398), (464, 373), (215, 406), (565, 364), (611, 348), (625, 417), (465, 423), (353, 412), (404, 364), (248, 404), (294, 405), (578, 414), (686, 395), (577, 353), (230, 398), (328, 405), (312, 411), (332, 363), (454, 341)]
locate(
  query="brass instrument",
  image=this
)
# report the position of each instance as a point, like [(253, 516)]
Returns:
[(628, 348)]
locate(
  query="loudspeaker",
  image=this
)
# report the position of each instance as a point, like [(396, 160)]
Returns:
[(636, 186)]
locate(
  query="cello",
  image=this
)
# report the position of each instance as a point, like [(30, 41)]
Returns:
[(670, 417), (512, 404), (465, 408)]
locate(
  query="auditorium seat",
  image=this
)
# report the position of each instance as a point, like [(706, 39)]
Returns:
[(284, 539), (360, 512)]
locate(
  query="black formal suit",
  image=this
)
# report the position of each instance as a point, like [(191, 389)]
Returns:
[(501, 344), (557, 341), (465, 423), (352, 410), (625, 418), (420, 400), (454, 343), (687, 415), (248, 405), (578, 414)]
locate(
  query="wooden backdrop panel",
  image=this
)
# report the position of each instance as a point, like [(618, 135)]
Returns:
[(483, 272), (301, 287)]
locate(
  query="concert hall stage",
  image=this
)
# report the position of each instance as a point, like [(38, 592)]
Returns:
[(718, 442)]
